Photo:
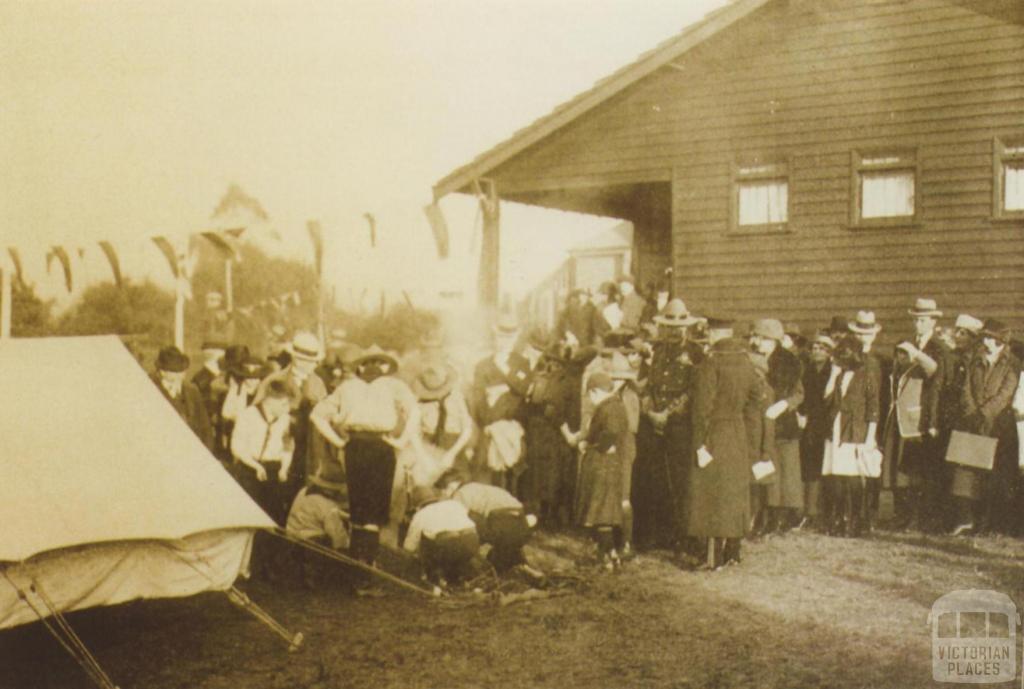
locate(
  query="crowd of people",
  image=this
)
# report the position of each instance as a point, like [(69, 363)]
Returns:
[(632, 418)]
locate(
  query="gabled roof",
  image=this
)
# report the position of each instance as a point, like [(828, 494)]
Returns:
[(1011, 11), (604, 89)]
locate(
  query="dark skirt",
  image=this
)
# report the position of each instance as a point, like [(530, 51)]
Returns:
[(370, 467), (549, 461), (599, 500), (812, 452)]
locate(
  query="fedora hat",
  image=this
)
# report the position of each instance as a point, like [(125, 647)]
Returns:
[(172, 360), (838, 324), (925, 307), (434, 382), (375, 353), (865, 323), (675, 314), (305, 345)]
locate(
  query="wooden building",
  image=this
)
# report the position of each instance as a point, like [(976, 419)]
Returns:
[(804, 158)]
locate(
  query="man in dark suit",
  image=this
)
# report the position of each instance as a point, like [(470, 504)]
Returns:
[(210, 379), (171, 365)]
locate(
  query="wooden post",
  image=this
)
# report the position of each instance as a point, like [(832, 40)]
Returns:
[(179, 315), (488, 278), (5, 307), (229, 290)]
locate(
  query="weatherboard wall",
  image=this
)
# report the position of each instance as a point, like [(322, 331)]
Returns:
[(807, 82)]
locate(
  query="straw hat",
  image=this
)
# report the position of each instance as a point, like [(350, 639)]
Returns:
[(969, 323), (865, 323), (925, 307), (768, 328), (306, 346)]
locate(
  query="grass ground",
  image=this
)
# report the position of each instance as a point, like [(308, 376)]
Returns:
[(802, 610)]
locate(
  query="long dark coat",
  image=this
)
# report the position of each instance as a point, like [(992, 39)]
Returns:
[(727, 401), (815, 408), (191, 408)]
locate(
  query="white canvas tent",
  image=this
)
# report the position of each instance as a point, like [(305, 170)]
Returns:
[(106, 495)]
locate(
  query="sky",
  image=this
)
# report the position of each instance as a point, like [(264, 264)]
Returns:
[(121, 120)]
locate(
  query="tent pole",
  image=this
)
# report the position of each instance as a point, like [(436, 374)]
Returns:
[(59, 628), (243, 601), (5, 303), (341, 557)]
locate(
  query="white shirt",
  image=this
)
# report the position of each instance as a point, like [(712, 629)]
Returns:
[(381, 406), (255, 440), (444, 516)]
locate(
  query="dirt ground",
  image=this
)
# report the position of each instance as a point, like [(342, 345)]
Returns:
[(802, 610)]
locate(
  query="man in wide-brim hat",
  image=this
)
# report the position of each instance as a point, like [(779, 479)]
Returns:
[(664, 429), (676, 315), (369, 416)]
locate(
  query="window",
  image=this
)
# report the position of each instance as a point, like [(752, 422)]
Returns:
[(1008, 158), (760, 197), (884, 188)]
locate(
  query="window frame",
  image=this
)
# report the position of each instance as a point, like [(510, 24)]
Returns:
[(775, 169), (1000, 157), (908, 159)]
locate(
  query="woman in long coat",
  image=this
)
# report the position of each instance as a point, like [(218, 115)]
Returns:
[(727, 406), (814, 412)]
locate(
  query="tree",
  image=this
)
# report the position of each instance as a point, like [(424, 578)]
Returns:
[(30, 315), (138, 309)]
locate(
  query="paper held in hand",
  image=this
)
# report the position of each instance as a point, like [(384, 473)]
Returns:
[(763, 468), (703, 457)]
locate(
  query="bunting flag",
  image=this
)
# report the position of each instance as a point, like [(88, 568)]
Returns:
[(316, 236), (16, 261), (115, 264), (61, 255), (225, 243), (167, 249), (439, 226), (373, 229)]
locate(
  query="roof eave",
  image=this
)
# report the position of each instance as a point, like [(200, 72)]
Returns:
[(460, 179)]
